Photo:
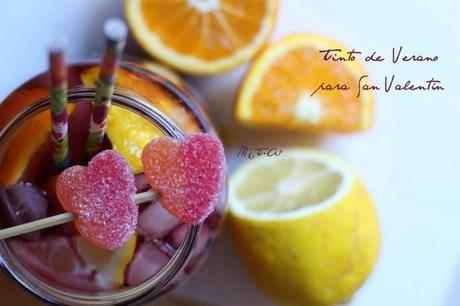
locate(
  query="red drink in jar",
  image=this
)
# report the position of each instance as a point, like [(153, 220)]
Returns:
[(57, 264)]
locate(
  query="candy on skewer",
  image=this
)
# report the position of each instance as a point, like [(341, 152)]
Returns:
[(115, 32), (190, 174), (140, 198), (102, 194), (58, 94), (101, 198)]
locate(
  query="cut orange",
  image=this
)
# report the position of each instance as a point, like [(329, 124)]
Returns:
[(29, 138), (23, 147), (279, 89), (17, 102), (201, 36)]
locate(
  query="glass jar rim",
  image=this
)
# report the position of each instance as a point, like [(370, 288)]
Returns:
[(140, 293)]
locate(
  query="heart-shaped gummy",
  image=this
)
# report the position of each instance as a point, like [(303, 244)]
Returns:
[(102, 196), (188, 174)]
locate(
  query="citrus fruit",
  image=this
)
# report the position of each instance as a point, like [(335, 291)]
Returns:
[(110, 265), (304, 226), (27, 141), (152, 91), (18, 101), (29, 138), (164, 72), (130, 132), (201, 36), (89, 76), (279, 89)]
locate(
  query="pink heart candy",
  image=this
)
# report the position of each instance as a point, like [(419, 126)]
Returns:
[(189, 174), (102, 196)]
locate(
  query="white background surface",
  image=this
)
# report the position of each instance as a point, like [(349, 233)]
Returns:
[(410, 160)]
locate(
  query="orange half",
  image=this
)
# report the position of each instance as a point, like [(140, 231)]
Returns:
[(279, 89), (201, 36)]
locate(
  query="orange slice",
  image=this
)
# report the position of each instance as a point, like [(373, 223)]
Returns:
[(29, 138), (17, 102), (278, 91), (23, 147), (201, 36)]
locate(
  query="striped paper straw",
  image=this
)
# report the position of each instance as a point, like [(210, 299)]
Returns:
[(58, 93), (115, 32)]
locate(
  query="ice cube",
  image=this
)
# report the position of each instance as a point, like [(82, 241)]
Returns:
[(22, 203), (147, 261), (176, 237), (53, 258), (156, 222)]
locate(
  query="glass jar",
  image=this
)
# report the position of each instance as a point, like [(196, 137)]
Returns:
[(56, 264)]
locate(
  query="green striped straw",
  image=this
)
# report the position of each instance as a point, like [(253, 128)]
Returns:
[(115, 32), (58, 93)]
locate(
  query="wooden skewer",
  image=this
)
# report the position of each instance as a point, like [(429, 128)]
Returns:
[(25, 228)]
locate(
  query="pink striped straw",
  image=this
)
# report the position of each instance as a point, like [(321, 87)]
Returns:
[(115, 32), (58, 103)]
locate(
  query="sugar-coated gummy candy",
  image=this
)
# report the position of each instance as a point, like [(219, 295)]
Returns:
[(189, 174), (102, 195)]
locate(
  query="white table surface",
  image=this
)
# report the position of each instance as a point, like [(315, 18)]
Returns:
[(410, 160)]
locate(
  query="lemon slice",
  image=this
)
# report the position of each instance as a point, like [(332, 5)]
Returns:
[(304, 226), (129, 133), (110, 265)]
